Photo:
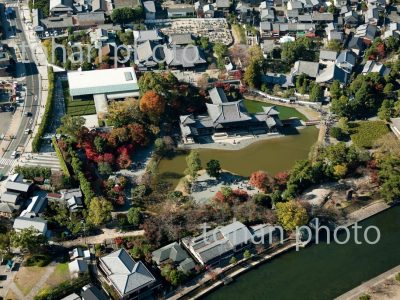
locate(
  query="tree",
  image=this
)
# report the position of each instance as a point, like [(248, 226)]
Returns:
[(152, 104), (124, 113), (340, 170), (262, 199), (125, 15), (291, 214), (193, 164), (386, 110), (104, 168), (388, 89), (246, 254), (204, 43), (343, 124), (252, 75), (71, 126), (316, 93), (28, 239), (99, 211), (260, 180), (342, 107), (135, 216), (213, 168), (5, 243), (335, 91), (337, 133), (334, 45), (233, 260), (99, 144)]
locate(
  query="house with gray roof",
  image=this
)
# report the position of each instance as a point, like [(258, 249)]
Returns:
[(180, 39), (356, 45), (27, 222), (175, 254), (61, 7), (283, 80), (327, 56), (78, 267), (372, 66), (19, 187), (99, 5), (221, 242), (141, 36), (184, 57), (150, 10), (7, 209), (351, 18), (366, 32), (92, 292), (318, 17), (372, 16), (346, 60), (223, 6), (128, 277), (309, 68), (10, 198), (225, 116)]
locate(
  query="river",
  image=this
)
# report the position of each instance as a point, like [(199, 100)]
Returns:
[(321, 272), (274, 155)]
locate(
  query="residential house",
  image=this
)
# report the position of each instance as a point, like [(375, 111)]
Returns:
[(224, 116), (175, 254), (294, 5), (372, 16), (88, 20), (35, 207), (392, 31), (356, 45), (333, 33), (59, 23), (264, 234), (208, 11), (346, 60), (265, 29), (351, 19), (327, 56), (12, 198), (79, 253), (98, 37), (149, 10), (130, 278), (267, 14), (181, 11), (318, 17), (91, 292), (309, 68), (214, 245), (23, 188), (306, 18), (78, 267), (372, 66), (367, 33), (99, 6), (37, 223), (339, 3), (268, 46), (7, 210), (72, 296), (149, 55), (223, 6), (61, 7)]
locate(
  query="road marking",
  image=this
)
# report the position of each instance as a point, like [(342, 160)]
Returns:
[(6, 161)]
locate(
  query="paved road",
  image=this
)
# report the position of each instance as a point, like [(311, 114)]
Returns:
[(31, 100)]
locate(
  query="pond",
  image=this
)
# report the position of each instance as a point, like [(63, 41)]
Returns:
[(273, 156)]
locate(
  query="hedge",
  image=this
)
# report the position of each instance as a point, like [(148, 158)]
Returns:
[(37, 140), (30, 172), (85, 185), (64, 289), (60, 157)]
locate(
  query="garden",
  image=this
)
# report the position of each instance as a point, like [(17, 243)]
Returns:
[(364, 134), (285, 112)]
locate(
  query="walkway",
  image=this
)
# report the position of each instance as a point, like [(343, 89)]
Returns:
[(366, 286), (99, 239)]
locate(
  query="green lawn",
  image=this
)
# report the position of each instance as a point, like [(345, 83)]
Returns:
[(364, 134), (284, 111), (77, 107)]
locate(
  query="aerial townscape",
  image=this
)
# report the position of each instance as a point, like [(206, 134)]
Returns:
[(217, 149)]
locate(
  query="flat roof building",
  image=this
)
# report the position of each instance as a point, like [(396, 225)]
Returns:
[(113, 83)]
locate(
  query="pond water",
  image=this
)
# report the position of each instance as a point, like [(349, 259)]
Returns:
[(274, 155), (321, 272)]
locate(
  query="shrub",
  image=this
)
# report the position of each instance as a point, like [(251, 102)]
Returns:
[(397, 277), (37, 140), (35, 171), (365, 297), (337, 133), (38, 260), (60, 157), (364, 134)]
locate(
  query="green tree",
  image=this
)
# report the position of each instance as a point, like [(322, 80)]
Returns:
[(262, 199), (100, 144), (388, 89), (204, 43), (233, 260), (386, 110), (291, 214), (5, 243), (343, 124), (99, 211), (193, 164), (252, 75), (316, 93), (135, 216), (28, 239), (105, 168), (335, 90), (71, 126), (246, 254), (334, 45), (337, 133), (126, 15), (213, 168), (342, 107)]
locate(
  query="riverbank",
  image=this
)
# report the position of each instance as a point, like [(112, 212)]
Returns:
[(383, 286)]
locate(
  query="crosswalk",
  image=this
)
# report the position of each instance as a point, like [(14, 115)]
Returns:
[(6, 161)]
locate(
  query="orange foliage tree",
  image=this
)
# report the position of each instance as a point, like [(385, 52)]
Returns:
[(152, 104)]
